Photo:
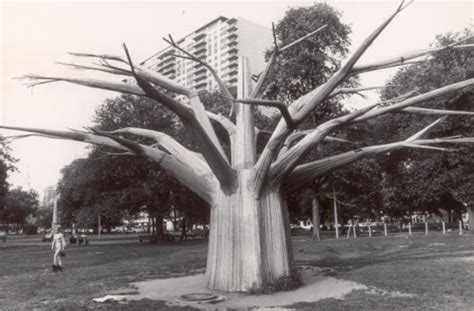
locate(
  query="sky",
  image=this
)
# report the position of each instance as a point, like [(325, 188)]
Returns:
[(36, 35)]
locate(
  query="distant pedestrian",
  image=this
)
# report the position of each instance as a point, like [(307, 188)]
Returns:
[(58, 246), (83, 239)]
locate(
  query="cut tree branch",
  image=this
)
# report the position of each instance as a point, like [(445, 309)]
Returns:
[(302, 107), (404, 58), (306, 173), (417, 99), (171, 146), (208, 143), (434, 112), (204, 186), (269, 103), (289, 160)]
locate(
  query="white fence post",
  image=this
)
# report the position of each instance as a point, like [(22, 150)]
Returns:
[(426, 228), (409, 228), (385, 229), (444, 227), (370, 231), (460, 227)]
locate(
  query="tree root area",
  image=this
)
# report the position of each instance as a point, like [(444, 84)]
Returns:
[(316, 286)]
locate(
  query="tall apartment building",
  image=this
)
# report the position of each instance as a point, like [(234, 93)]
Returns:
[(220, 43), (49, 196)]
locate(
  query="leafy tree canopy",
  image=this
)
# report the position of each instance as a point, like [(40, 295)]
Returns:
[(428, 181)]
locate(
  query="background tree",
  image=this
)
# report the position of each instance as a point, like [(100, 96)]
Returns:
[(249, 243), (6, 165), (305, 66), (19, 205), (310, 63), (43, 217), (430, 181)]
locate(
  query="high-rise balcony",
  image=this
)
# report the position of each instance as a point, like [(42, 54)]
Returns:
[(200, 85), (200, 77), (198, 65), (229, 58), (200, 70), (166, 66), (232, 28), (171, 71), (200, 50), (199, 36), (229, 49), (165, 57), (232, 41), (231, 80), (232, 21), (233, 70), (233, 49), (232, 35), (199, 44)]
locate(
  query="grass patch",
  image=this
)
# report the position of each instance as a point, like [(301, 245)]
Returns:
[(426, 266)]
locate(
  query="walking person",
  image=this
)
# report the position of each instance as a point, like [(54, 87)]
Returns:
[(57, 246)]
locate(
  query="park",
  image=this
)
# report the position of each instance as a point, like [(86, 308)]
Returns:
[(231, 172)]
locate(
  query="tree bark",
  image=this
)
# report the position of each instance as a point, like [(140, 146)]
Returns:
[(159, 231), (183, 230), (248, 241), (471, 218), (316, 216)]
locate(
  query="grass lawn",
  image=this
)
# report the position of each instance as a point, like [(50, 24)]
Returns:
[(437, 270)]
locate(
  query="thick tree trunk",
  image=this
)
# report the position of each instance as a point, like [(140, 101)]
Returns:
[(159, 228), (183, 230), (471, 218), (316, 218), (248, 241)]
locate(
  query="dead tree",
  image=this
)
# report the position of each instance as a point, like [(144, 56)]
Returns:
[(249, 242)]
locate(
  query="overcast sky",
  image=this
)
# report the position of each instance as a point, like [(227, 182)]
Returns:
[(35, 35)]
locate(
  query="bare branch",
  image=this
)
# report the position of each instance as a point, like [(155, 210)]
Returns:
[(301, 39), (427, 111), (171, 146), (257, 90), (128, 89), (143, 72), (289, 160), (118, 154), (102, 56), (301, 108), (416, 136), (343, 90), (35, 80), (213, 153), (326, 89), (115, 71), (417, 99), (306, 173), (261, 79), (295, 136), (268, 103), (403, 59), (204, 186)]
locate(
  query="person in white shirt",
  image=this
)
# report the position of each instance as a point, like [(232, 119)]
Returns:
[(58, 245)]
